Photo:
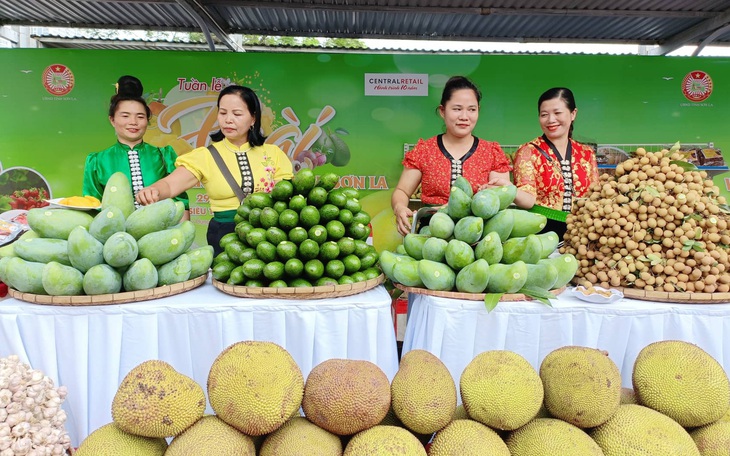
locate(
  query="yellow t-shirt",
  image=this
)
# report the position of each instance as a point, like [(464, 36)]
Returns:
[(269, 164)]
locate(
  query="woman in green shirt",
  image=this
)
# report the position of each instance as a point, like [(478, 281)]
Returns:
[(143, 163)]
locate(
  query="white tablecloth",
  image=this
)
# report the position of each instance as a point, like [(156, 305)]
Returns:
[(458, 330), (91, 349)]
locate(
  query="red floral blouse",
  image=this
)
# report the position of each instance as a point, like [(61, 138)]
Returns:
[(439, 169), (534, 173)]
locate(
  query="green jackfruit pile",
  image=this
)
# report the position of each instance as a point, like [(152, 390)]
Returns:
[(477, 243), (572, 406), (304, 233), (71, 252)]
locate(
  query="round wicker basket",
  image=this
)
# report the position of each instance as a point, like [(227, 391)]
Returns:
[(321, 292), (676, 297), (469, 296), (113, 298)]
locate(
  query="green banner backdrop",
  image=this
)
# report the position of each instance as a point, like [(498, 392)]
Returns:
[(353, 114)]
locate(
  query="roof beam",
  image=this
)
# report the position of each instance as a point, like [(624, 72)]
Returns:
[(207, 23), (688, 35)]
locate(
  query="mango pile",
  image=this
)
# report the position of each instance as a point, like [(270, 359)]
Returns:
[(657, 223), (304, 233), (573, 405), (70, 252), (477, 243)]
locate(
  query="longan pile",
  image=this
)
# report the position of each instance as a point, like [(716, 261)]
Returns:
[(654, 226)]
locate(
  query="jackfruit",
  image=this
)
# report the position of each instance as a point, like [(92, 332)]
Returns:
[(638, 430), (346, 396), (300, 437), (423, 392), (682, 381), (582, 385), (154, 400), (211, 435), (109, 440), (255, 386), (550, 436), (464, 437), (501, 389), (384, 441), (712, 439)]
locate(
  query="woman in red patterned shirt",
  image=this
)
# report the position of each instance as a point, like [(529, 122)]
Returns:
[(554, 168), (436, 162)]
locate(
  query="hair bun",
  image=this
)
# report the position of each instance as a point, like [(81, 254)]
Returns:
[(130, 86)]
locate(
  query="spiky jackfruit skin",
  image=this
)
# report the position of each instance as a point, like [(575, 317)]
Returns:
[(628, 396), (713, 439), (635, 430), (551, 436), (255, 386), (300, 437), (109, 440), (211, 435), (423, 393), (346, 396), (155, 400), (582, 385), (466, 437), (682, 381), (384, 441), (501, 389)]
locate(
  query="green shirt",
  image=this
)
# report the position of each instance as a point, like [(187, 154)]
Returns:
[(155, 163)]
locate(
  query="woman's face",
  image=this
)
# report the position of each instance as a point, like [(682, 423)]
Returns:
[(234, 118), (130, 122), (556, 118), (460, 113)]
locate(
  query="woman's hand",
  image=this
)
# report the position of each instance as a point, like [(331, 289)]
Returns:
[(147, 195), (402, 219)]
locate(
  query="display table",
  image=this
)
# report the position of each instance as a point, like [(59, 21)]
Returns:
[(90, 349), (458, 330)]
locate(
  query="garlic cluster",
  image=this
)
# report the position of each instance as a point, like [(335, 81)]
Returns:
[(31, 418)]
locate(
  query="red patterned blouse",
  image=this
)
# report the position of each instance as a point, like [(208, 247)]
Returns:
[(537, 170), (439, 169)]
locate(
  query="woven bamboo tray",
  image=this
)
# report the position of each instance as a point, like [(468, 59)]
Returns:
[(321, 292), (469, 296), (113, 298), (676, 297)]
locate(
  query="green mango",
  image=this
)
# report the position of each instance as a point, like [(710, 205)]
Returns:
[(406, 273), (118, 193), (388, 260), (459, 205), (400, 250), (102, 279), (413, 244), (464, 185), (526, 222), (24, 276), (141, 275), (4, 273), (120, 250), (84, 251), (188, 229), (542, 275), (436, 276), (441, 225), (527, 249), (200, 260), (151, 218), (162, 246), (458, 254), (176, 271), (8, 250), (507, 278), (107, 222), (485, 204), (56, 223), (473, 278), (550, 241), (434, 249), (490, 248), (567, 266), (425, 230), (502, 223), (179, 213), (61, 280), (469, 229), (42, 250), (506, 195)]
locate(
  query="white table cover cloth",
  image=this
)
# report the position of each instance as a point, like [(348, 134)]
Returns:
[(90, 349), (458, 330)]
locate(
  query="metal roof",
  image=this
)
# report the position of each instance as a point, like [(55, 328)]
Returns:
[(667, 25)]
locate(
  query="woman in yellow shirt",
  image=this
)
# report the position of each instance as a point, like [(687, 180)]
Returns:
[(255, 166)]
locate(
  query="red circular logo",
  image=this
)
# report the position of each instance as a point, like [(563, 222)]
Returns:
[(58, 80), (697, 86)]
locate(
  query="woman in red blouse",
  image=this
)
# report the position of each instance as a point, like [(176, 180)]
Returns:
[(436, 162), (553, 168)]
